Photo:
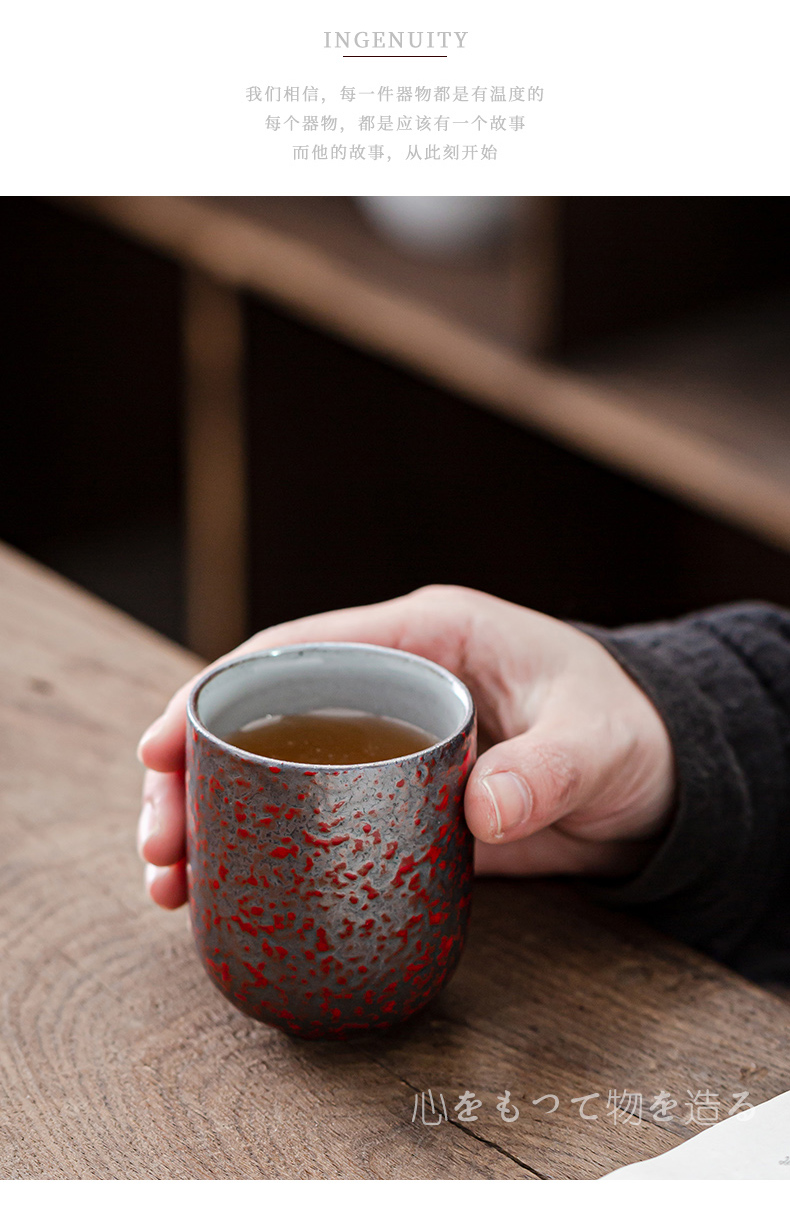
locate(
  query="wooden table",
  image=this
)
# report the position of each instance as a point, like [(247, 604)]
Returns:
[(119, 1060)]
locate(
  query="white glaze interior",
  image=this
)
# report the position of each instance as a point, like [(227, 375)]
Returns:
[(296, 679)]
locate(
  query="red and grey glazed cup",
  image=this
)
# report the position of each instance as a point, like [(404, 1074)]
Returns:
[(329, 900)]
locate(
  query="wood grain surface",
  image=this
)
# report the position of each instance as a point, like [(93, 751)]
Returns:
[(118, 1059)]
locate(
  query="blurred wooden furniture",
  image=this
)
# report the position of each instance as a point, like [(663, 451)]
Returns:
[(704, 421), (215, 466), (119, 1060)]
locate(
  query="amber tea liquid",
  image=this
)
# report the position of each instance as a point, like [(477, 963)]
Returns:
[(332, 736)]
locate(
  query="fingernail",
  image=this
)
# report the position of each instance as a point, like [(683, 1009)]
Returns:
[(152, 731), (148, 825), (510, 798)]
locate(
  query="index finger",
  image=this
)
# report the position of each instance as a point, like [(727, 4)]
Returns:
[(391, 623)]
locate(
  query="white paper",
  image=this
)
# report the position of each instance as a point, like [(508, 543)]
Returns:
[(150, 97), (750, 1145)]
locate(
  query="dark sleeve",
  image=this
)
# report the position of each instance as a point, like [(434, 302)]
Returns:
[(720, 880)]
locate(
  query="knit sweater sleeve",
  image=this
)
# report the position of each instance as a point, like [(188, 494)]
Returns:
[(720, 879)]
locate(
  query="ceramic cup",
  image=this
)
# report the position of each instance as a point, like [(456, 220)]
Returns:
[(442, 226), (329, 900)]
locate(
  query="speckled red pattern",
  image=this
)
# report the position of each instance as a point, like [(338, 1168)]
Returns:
[(330, 901)]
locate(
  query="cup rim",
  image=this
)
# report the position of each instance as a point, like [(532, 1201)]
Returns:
[(193, 719)]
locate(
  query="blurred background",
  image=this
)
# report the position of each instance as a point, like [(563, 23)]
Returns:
[(220, 413)]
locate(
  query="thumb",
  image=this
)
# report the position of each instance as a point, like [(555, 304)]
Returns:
[(521, 786)]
